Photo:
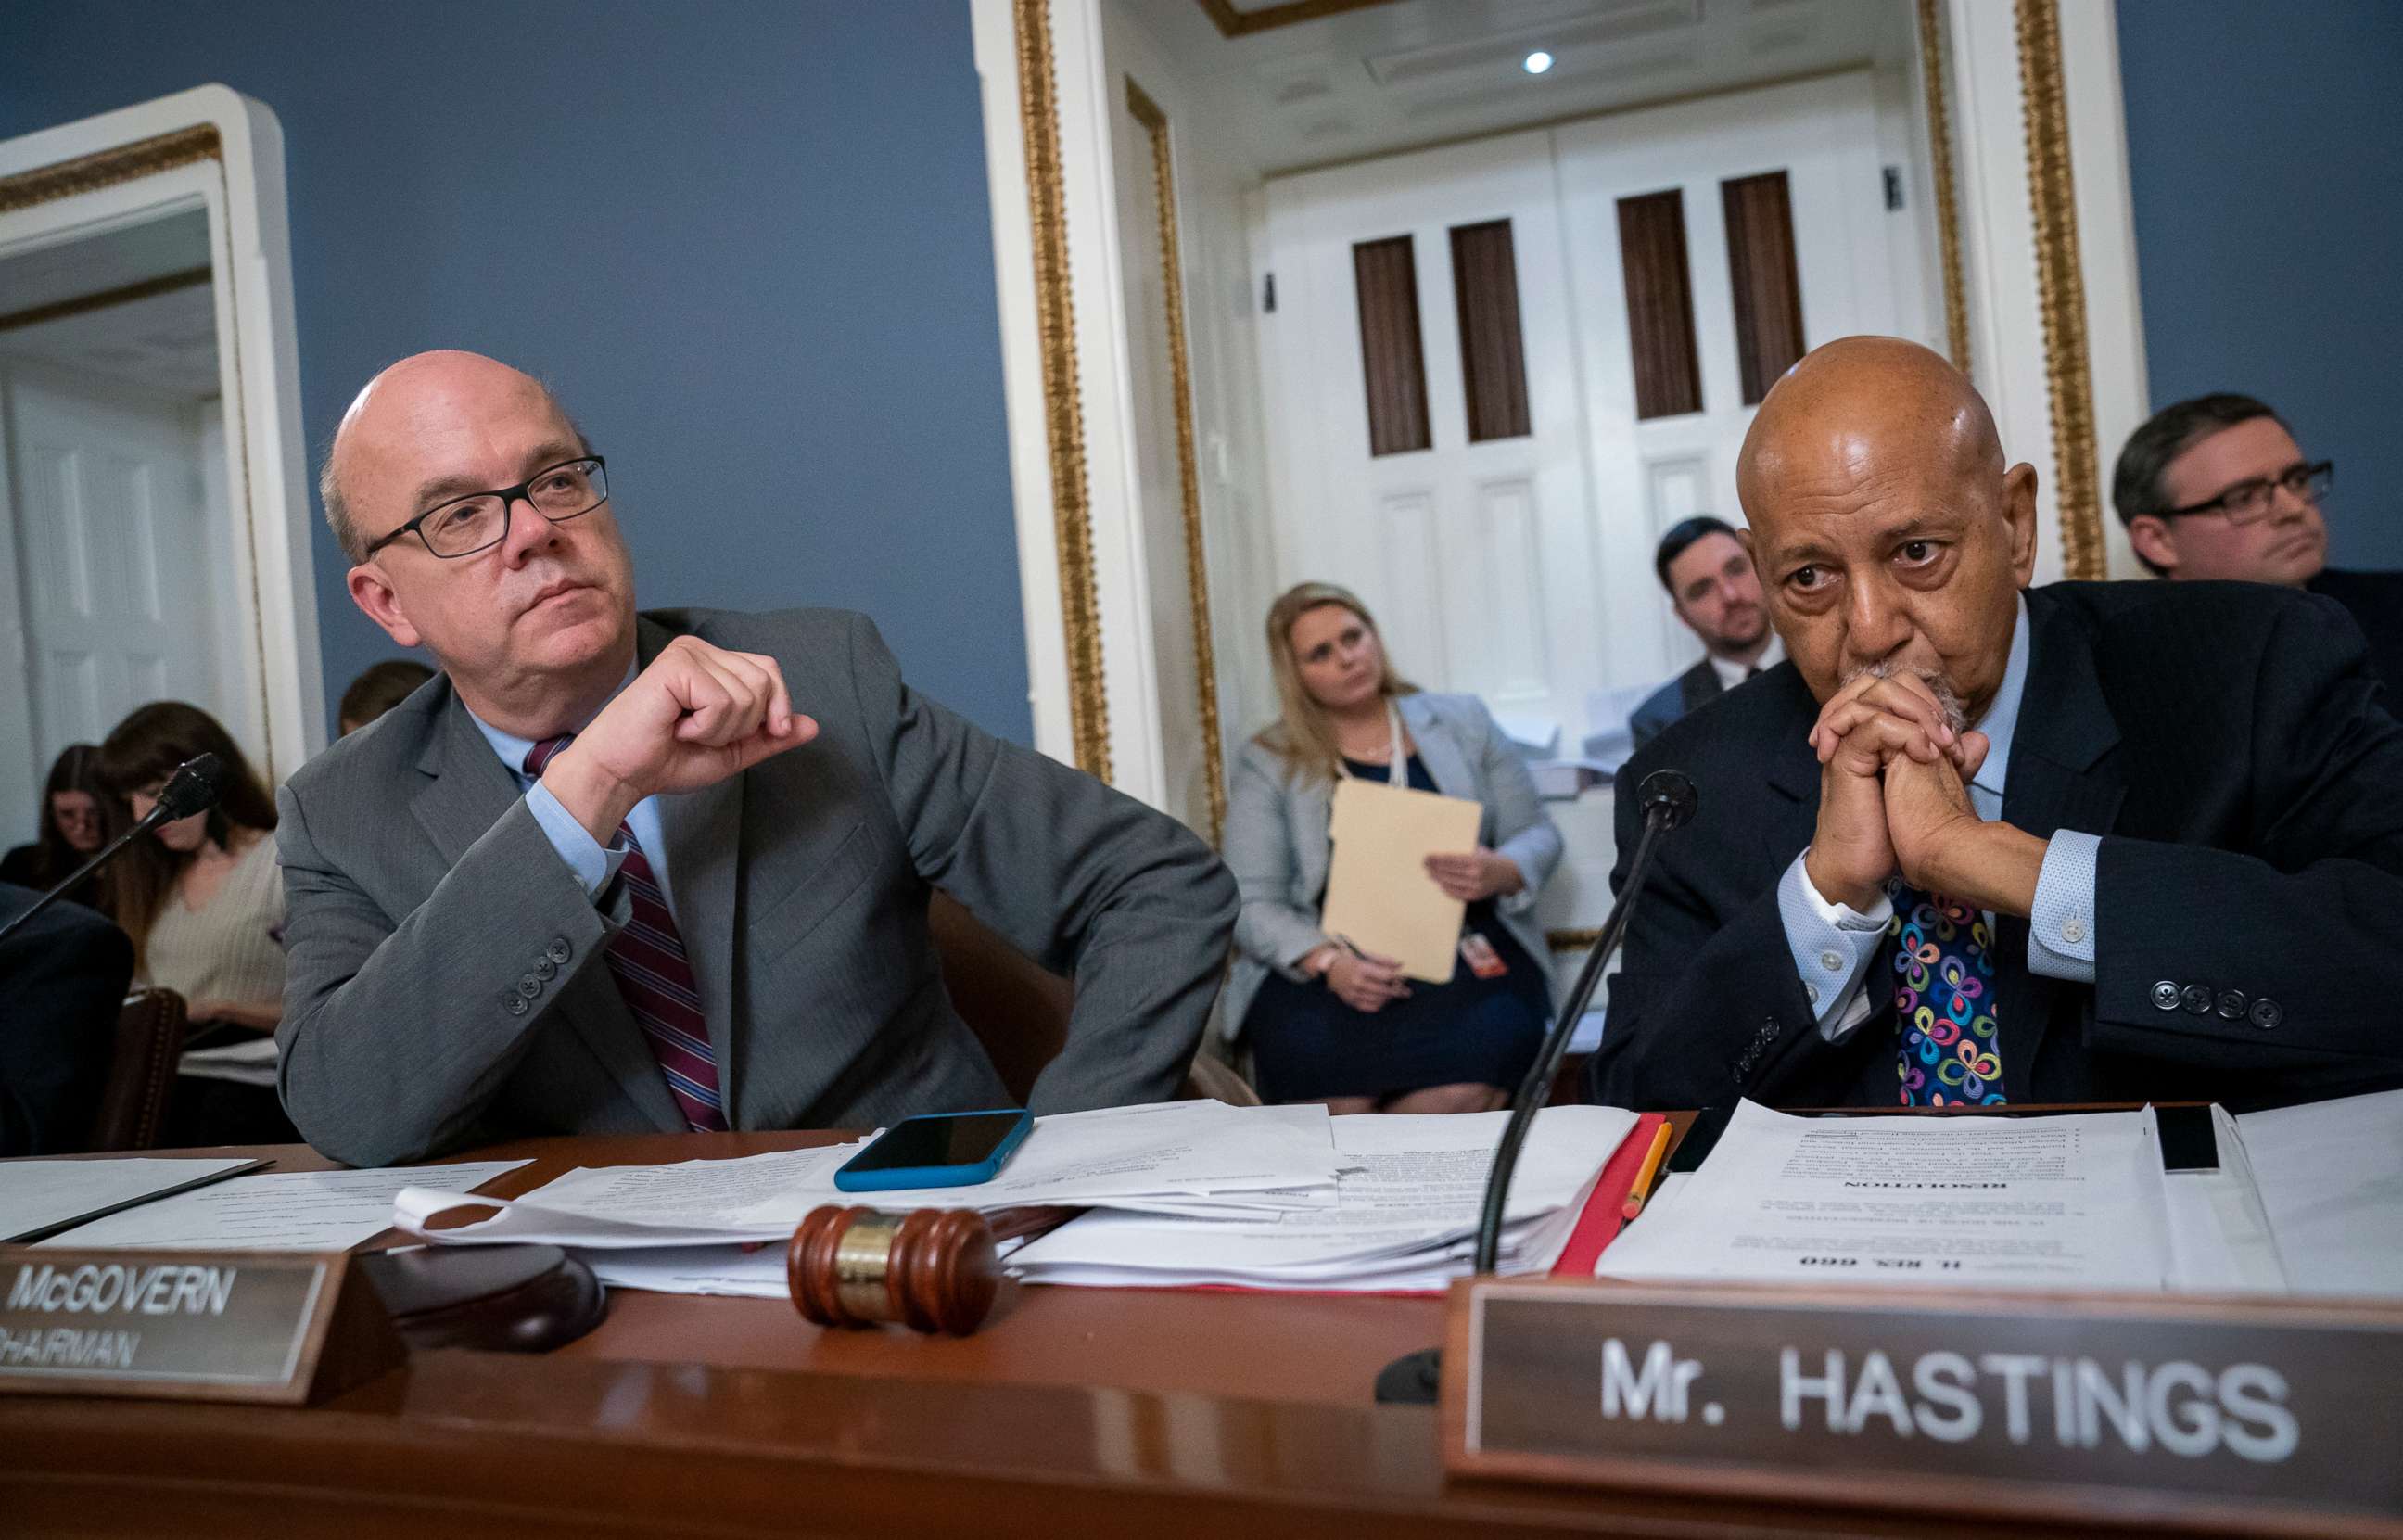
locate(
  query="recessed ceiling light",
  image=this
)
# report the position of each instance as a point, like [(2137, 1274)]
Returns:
[(1538, 62)]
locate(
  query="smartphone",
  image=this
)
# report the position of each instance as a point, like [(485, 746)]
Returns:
[(955, 1149)]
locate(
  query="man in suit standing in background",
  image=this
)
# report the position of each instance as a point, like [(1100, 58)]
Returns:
[(2217, 489), (1977, 842), (1710, 584), (606, 874)]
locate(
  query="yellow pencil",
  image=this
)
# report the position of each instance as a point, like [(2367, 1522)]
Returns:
[(1641, 1188)]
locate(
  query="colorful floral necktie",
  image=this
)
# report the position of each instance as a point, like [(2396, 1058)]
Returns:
[(1944, 1002)]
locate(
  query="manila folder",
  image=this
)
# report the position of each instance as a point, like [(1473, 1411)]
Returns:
[(1379, 895)]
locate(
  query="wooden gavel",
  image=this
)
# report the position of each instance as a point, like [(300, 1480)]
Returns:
[(932, 1270)]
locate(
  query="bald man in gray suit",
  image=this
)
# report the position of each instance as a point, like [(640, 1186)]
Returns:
[(606, 875)]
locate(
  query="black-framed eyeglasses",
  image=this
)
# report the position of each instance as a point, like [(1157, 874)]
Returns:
[(2248, 501), (479, 521)]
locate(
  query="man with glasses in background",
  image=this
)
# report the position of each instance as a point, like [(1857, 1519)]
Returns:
[(2217, 489), (617, 873)]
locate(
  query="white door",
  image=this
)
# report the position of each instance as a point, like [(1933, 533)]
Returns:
[(1520, 568), (122, 597), (1476, 556), (1652, 472)]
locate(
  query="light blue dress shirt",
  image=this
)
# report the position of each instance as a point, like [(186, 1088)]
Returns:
[(593, 864), (1834, 945)]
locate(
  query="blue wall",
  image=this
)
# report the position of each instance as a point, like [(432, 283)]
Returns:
[(747, 242), (2265, 146)]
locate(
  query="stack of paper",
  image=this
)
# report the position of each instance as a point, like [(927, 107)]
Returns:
[(2070, 1201), (40, 1196), (1404, 1218), (285, 1210), (1202, 1159), (2330, 1178)]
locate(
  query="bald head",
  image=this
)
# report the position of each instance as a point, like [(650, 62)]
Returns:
[(445, 395), (1886, 529), (1865, 401)]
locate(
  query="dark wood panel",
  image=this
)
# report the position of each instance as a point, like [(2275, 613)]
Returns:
[(1492, 349), (1385, 273), (1659, 304), (1761, 269)]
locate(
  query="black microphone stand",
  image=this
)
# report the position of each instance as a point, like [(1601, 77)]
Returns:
[(1668, 801), (192, 789)]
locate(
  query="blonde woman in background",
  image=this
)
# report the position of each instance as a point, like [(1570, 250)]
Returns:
[(1326, 1023)]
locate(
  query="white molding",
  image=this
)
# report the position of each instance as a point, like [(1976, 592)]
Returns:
[(259, 360), (1999, 254), (2107, 244), (995, 42)]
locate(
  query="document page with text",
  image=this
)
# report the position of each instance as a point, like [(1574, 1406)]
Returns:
[(2068, 1201)]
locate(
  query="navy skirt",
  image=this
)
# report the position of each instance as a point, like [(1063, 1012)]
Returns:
[(1307, 1045)]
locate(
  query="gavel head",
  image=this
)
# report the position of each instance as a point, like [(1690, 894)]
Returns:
[(932, 1270)]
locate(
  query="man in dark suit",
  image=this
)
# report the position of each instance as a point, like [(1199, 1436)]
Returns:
[(1708, 576), (2217, 489), (2088, 842), (603, 875), (62, 980)]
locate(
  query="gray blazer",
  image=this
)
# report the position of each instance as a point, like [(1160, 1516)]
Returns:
[(448, 982), (1277, 847)]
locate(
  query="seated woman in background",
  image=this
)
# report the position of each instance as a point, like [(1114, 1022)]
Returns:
[(1328, 1024), (70, 826), (203, 901)]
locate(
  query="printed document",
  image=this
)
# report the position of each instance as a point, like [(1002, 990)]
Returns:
[(2330, 1176), (283, 1211), (1178, 1158), (2069, 1201), (1405, 1216), (37, 1197)]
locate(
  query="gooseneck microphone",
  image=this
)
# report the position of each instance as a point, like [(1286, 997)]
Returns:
[(1668, 799), (193, 788)]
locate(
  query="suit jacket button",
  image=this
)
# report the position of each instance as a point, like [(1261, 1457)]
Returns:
[(2266, 1014), (2165, 995), (517, 1004), (559, 950), (2231, 1004), (2197, 999), (545, 969), (529, 986)]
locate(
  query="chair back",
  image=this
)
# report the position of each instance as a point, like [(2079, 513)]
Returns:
[(141, 1073)]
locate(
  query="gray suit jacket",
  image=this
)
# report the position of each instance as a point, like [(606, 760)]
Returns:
[(1691, 691), (1277, 845), (426, 907)]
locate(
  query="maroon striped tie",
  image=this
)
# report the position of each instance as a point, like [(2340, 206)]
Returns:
[(654, 979)]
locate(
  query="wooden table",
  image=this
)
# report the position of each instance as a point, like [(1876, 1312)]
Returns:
[(1074, 1412)]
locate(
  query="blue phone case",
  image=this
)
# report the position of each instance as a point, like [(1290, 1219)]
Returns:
[(849, 1180)]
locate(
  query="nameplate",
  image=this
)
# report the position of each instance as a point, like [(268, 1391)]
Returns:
[(2265, 1416), (189, 1326)]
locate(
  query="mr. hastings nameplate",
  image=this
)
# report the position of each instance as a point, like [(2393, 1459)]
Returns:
[(190, 1326), (2090, 1409)]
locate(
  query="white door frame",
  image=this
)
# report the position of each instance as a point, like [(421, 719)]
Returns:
[(135, 164), (2054, 321)]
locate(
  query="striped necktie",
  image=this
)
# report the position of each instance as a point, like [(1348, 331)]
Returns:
[(654, 979)]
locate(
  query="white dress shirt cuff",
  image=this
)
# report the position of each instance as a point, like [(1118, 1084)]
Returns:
[(593, 866), (1833, 946), (2060, 928)]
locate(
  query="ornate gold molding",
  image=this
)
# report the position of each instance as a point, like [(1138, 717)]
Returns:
[(2061, 288), (107, 168), (1935, 80), (1055, 321), (1188, 474)]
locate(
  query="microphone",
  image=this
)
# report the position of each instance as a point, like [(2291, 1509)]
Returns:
[(1669, 801), (194, 787)]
